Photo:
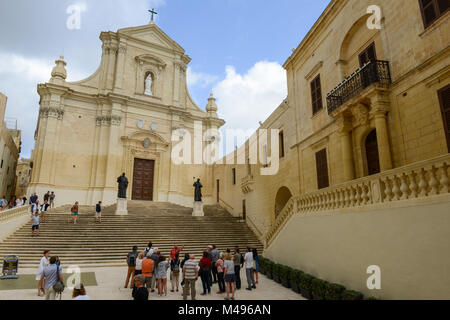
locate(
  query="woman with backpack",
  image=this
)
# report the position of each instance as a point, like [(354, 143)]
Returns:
[(205, 273), (175, 271)]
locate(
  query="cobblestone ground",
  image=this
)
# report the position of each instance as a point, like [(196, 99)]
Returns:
[(111, 287)]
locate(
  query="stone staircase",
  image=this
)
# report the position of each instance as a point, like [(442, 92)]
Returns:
[(88, 244)]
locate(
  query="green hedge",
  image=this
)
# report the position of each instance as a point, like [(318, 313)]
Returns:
[(334, 291), (319, 288), (262, 265), (269, 268), (276, 271), (306, 284), (305, 281), (352, 295), (285, 275)]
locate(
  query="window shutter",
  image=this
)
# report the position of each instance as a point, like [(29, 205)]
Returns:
[(316, 95), (322, 169)]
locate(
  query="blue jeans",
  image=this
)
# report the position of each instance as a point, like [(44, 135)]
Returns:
[(205, 276)]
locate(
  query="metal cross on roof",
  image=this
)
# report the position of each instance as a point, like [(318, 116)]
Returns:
[(153, 12)]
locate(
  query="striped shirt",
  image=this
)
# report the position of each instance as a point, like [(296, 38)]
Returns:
[(190, 267)]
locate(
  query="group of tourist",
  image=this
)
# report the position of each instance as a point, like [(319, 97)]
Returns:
[(148, 270), (50, 274), (39, 211), (14, 202)]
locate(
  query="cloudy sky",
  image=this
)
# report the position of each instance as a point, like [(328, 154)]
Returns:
[(237, 49)]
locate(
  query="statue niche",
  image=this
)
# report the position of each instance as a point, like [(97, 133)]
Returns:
[(149, 84)]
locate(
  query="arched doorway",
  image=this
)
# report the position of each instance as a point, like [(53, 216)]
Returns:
[(373, 159), (282, 198)]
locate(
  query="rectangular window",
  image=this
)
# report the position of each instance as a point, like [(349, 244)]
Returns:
[(444, 99), (234, 176), (316, 95), (322, 169), (433, 9), (281, 142)]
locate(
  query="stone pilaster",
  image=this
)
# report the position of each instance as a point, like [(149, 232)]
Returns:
[(380, 107), (345, 128)]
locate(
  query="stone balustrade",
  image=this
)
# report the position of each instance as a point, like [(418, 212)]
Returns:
[(419, 180), (11, 213)]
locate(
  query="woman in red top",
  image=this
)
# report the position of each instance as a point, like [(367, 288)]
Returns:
[(205, 273)]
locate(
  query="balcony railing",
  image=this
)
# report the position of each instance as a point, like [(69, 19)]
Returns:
[(372, 72), (421, 180)]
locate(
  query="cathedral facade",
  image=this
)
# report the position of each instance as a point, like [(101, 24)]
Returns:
[(126, 117)]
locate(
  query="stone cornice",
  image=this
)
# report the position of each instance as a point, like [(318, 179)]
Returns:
[(330, 11)]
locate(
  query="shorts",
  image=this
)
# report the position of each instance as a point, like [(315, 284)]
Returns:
[(74, 214), (137, 272), (148, 282), (98, 214), (35, 227), (230, 278)]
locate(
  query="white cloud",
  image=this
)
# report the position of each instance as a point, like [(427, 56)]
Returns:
[(29, 69), (244, 100), (199, 79)]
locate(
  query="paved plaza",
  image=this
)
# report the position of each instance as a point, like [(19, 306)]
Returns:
[(111, 281)]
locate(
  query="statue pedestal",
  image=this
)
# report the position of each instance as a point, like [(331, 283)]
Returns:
[(121, 207), (198, 209)]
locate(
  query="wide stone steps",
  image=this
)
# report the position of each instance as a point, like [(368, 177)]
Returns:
[(88, 244)]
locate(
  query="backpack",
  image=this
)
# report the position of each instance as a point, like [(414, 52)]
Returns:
[(176, 267), (59, 285), (132, 259)]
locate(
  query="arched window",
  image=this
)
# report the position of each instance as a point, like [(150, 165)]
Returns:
[(148, 86)]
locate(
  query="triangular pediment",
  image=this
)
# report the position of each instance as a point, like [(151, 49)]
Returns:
[(151, 34)]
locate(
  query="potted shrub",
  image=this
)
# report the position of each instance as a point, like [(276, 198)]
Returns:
[(319, 288), (352, 295), (285, 275), (334, 291), (305, 284), (295, 280)]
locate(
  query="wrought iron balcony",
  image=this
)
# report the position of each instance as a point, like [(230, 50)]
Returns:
[(372, 72)]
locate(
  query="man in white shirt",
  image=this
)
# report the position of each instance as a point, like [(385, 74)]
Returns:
[(248, 262)]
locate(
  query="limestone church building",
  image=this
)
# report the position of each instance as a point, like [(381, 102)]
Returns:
[(121, 119)]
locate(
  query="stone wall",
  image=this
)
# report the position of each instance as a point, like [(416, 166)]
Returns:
[(409, 244)]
